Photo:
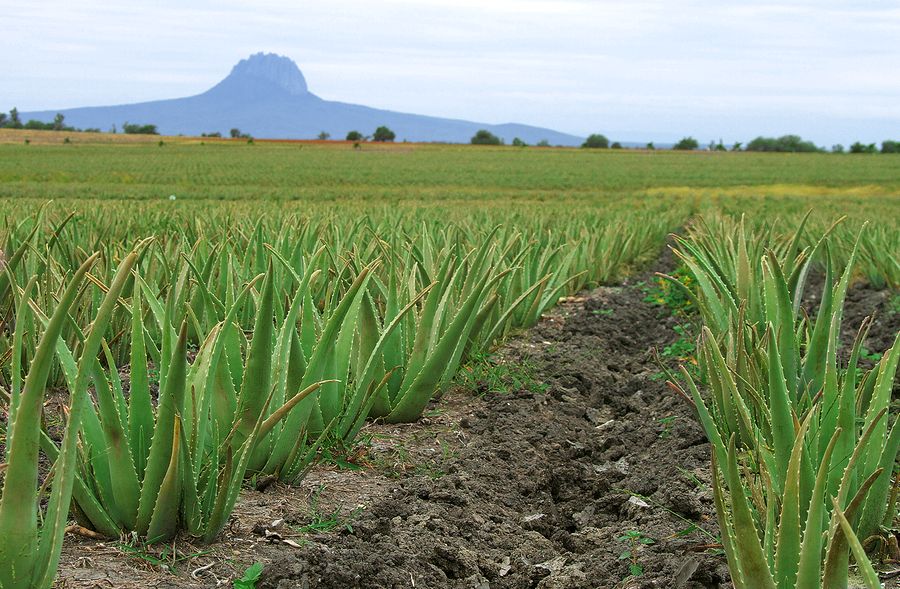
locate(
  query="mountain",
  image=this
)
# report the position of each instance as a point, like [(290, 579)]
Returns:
[(267, 96)]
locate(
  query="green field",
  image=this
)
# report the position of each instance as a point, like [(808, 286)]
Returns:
[(423, 173), (226, 310)]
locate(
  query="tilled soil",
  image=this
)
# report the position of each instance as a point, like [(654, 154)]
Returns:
[(594, 479)]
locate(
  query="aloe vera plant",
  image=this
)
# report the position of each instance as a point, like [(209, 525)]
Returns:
[(803, 451), (179, 465)]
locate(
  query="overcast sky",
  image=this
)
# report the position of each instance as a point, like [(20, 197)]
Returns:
[(634, 69)]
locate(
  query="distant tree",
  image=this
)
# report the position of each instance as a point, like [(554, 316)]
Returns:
[(596, 141), (858, 147), (686, 144), (543, 143), (237, 134), (785, 143), (616, 145), (383, 134), (35, 125), (890, 147), (485, 137), (519, 143), (91, 130), (324, 136), (737, 146), (354, 136), (58, 122), (2, 119), (14, 121), (113, 129), (212, 134), (136, 129), (650, 146), (837, 148), (720, 146)]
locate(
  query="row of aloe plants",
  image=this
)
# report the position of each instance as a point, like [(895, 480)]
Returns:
[(201, 267), (190, 366), (804, 445)]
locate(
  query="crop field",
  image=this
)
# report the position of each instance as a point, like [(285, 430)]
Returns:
[(306, 364)]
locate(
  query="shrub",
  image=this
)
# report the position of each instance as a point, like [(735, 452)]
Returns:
[(135, 129), (596, 141), (383, 134), (890, 147), (686, 144), (485, 137), (14, 122), (785, 143), (858, 147)]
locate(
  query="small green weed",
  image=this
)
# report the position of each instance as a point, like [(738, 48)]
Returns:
[(663, 293), (486, 375), (251, 576), (322, 521), (894, 304), (683, 348), (692, 478), (344, 456), (667, 425), (636, 540), (865, 354), (166, 557), (872, 357)]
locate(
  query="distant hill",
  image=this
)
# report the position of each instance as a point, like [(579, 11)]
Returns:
[(266, 96)]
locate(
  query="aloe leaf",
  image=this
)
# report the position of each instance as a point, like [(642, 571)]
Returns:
[(171, 402), (164, 518), (810, 565), (124, 491), (747, 546), (788, 546), (18, 505), (783, 435), (16, 360), (256, 383), (869, 576)]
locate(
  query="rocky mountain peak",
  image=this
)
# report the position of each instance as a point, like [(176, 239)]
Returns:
[(276, 69)]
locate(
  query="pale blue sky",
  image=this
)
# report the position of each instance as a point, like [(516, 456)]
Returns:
[(635, 70)]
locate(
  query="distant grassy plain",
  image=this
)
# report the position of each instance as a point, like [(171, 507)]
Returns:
[(137, 167)]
